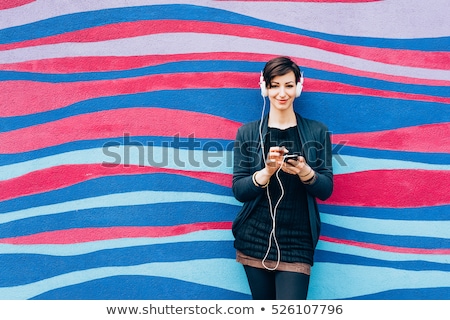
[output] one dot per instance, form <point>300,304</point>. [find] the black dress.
<point>292,225</point>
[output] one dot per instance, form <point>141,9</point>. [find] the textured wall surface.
<point>117,120</point>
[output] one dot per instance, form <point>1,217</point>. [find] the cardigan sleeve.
<point>322,188</point>
<point>245,162</point>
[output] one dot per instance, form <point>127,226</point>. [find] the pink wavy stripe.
<point>385,248</point>
<point>394,188</point>
<point>8,4</point>
<point>391,189</point>
<point>42,96</point>
<point>327,1</point>
<point>424,138</point>
<point>313,85</point>
<point>67,175</point>
<point>80,235</point>
<point>411,58</point>
<point>117,123</point>
<point>113,63</point>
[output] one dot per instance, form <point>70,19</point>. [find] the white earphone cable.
<point>272,210</point>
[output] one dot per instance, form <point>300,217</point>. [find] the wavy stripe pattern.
<point>117,123</point>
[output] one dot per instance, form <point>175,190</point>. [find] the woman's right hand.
<point>275,159</point>
<point>273,162</point>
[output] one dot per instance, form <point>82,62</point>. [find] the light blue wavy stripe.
<point>204,235</point>
<point>180,159</point>
<point>220,273</point>
<point>349,164</point>
<point>192,160</point>
<point>95,246</point>
<point>380,255</point>
<point>337,281</point>
<point>328,281</point>
<point>118,199</point>
<point>436,229</point>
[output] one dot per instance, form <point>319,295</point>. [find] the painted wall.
<point>116,129</point>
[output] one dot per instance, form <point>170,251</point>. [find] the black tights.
<point>277,285</point>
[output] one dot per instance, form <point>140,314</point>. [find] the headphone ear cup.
<point>298,90</point>
<point>262,85</point>
<point>263,88</point>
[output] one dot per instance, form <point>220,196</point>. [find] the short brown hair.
<point>280,66</point>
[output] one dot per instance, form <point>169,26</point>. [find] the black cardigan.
<point>248,158</point>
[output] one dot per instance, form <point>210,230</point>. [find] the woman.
<point>278,227</point>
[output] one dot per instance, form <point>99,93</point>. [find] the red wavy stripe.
<point>42,96</point>
<point>391,189</point>
<point>313,85</point>
<point>113,63</point>
<point>117,123</point>
<point>384,248</point>
<point>8,4</point>
<point>412,58</point>
<point>424,138</point>
<point>67,175</point>
<point>327,1</point>
<point>98,234</point>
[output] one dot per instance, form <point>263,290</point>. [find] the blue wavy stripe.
<point>81,248</point>
<point>360,106</point>
<point>219,66</point>
<point>210,272</point>
<point>422,228</point>
<point>333,257</point>
<point>409,294</point>
<point>136,215</point>
<point>436,213</point>
<point>348,164</point>
<point>368,280</point>
<point>165,68</point>
<point>352,250</point>
<point>412,242</point>
<point>118,200</point>
<point>241,107</point>
<point>84,20</point>
<point>141,288</point>
<point>422,157</point>
<point>185,99</point>
<point>114,184</point>
<point>21,268</point>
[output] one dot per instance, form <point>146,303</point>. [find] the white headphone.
<point>264,93</point>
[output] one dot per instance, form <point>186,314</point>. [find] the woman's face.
<point>281,91</point>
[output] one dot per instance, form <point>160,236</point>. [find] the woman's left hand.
<point>297,167</point>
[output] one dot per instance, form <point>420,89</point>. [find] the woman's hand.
<point>273,162</point>
<point>298,167</point>
<point>275,159</point>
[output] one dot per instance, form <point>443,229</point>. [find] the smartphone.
<point>294,156</point>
